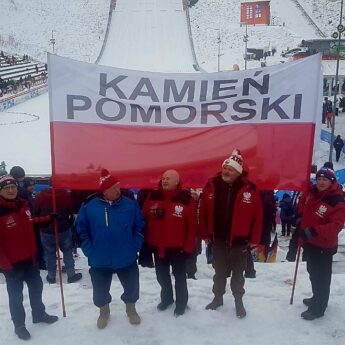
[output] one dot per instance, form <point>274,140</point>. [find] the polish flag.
<point>138,124</point>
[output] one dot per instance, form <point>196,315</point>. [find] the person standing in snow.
<point>110,228</point>
<point>338,145</point>
<point>64,207</point>
<point>286,214</point>
<point>231,218</point>
<point>18,257</point>
<point>322,210</point>
<point>171,218</point>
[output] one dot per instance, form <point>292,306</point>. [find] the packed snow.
<point>79,27</point>
<point>270,317</point>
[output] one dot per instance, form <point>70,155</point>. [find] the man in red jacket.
<point>17,257</point>
<point>170,213</point>
<point>323,215</point>
<point>230,218</point>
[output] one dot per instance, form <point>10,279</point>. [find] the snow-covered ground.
<point>149,35</point>
<point>79,27</point>
<point>207,17</point>
<point>325,13</point>
<point>270,317</point>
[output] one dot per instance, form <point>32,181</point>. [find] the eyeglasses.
<point>10,187</point>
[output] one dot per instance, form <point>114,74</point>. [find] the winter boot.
<point>240,311</point>
<point>217,302</point>
<point>179,311</point>
<point>132,314</point>
<point>164,305</point>
<point>45,318</point>
<point>104,314</point>
<point>51,280</point>
<point>22,333</point>
<point>310,315</point>
<point>74,278</point>
<point>308,301</point>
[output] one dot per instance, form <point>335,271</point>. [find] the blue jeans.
<point>49,246</point>
<point>15,282</point>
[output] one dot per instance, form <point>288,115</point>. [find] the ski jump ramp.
<point>149,35</point>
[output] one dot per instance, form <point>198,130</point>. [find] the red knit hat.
<point>106,180</point>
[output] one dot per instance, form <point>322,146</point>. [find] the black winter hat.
<point>17,172</point>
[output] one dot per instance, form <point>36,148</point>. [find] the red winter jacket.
<point>325,213</point>
<point>171,221</point>
<point>247,214</point>
<point>17,237</point>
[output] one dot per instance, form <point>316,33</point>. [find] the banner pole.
<point>56,231</point>
<point>295,275</point>
<point>53,188</point>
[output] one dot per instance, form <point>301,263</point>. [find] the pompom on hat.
<point>235,161</point>
<point>327,173</point>
<point>106,180</point>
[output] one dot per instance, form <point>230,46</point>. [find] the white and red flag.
<point>138,124</point>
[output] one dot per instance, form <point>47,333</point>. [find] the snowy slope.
<point>209,16</point>
<point>149,35</point>
<point>270,319</point>
<point>26,27</point>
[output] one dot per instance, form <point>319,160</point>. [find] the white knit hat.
<point>235,161</point>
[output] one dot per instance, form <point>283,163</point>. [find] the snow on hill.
<point>79,27</point>
<point>326,13</point>
<point>288,28</point>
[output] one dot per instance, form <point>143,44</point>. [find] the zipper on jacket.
<point>106,217</point>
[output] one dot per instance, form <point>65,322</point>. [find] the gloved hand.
<point>53,216</point>
<point>307,234</point>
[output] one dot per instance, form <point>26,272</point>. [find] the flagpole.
<point>56,232</point>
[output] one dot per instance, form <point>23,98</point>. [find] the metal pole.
<point>245,47</point>
<point>336,85</point>
<point>219,50</point>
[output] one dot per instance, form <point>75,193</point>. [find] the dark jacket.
<point>286,210</point>
<point>338,144</point>
<point>43,206</point>
<point>245,215</point>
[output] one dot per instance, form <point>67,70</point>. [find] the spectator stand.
<point>21,78</point>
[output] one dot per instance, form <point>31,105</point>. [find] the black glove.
<point>53,216</point>
<point>307,234</point>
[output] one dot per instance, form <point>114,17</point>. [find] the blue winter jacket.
<point>110,233</point>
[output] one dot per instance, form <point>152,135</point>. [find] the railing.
<point>191,42</point>
<point>310,20</point>
<point>111,9</point>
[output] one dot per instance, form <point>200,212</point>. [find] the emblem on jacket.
<point>321,211</point>
<point>178,211</point>
<point>247,197</point>
<point>10,223</point>
<point>28,213</point>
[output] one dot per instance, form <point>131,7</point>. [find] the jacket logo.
<point>247,197</point>
<point>321,211</point>
<point>10,222</point>
<point>28,213</point>
<point>178,211</point>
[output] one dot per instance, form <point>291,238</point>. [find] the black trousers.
<point>319,267</point>
<point>337,155</point>
<point>15,283</point>
<point>286,228</point>
<point>178,265</point>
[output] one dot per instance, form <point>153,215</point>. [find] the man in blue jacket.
<point>110,228</point>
